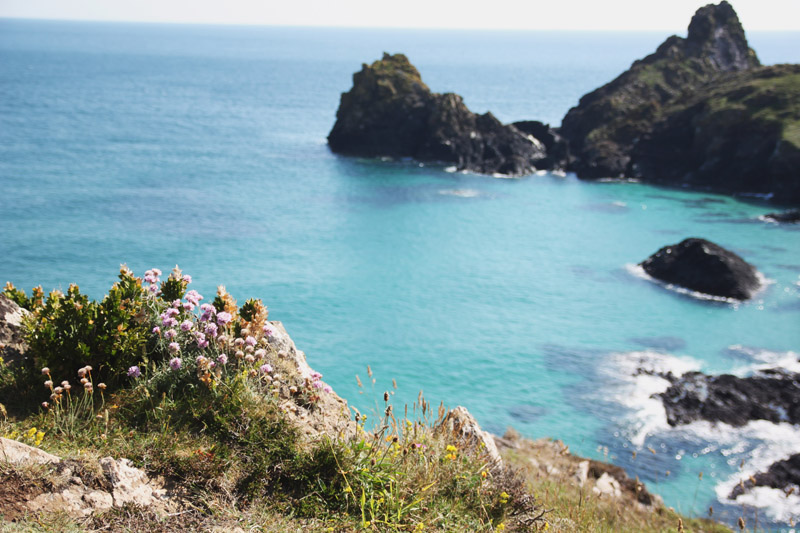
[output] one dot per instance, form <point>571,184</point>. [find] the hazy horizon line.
<point>364,27</point>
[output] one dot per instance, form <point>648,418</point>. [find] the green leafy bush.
<point>68,331</point>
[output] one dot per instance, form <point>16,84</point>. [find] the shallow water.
<point>205,146</point>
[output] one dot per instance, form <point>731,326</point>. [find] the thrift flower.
<point>193,297</point>
<point>157,330</point>
<point>172,311</point>
<point>327,388</point>
<point>266,368</point>
<point>170,334</point>
<point>188,306</point>
<point>175,363</point>
<point>249,358</point>
<point>45,371</point>
<point>174,347</point>
<point>250,341</point>
<point>222,359</point>
<point>187,278</point>
<point>211,330</point>
<point>153,288</point>
<point>260,354</point>
<point>48,384</point>
<point>223,318</point>
<point>134,372</point>
<point>238,342</point>
<point>267,331</point>
<point>317,384</point>
<point>186,325</point>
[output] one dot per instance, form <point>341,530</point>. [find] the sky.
<point>645,15</point>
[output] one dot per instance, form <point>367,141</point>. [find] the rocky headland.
<point>390,112</point>
<point>700,112</point>
<point>705,267</point>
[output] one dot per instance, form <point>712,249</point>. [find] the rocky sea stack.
<point>700,112</point>
<point>705,267</point>
<point>391,112</point>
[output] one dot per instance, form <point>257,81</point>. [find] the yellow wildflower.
<point>451,448</point>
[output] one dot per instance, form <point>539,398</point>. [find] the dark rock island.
<point>700,112</point>
<point>772,395</point>
<point>391,112</point>
<point>781,475</point>
<point>703,266</point>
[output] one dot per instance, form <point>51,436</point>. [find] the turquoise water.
<point>204,146</point>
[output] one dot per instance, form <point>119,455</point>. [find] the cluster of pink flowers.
<point>152,277</point>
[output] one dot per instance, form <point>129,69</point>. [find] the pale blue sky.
<point>662,15</point>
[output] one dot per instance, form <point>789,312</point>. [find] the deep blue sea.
<point>205,146</point>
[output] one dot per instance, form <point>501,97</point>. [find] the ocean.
<point>204,146</point>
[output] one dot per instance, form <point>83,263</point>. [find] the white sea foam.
<point>764,360</point>
<point>463,193</point>
<point>776,442</point>
<point>759,443</point>
<point>638,380</point>
<point>639,272</point>
<point>451,170</point>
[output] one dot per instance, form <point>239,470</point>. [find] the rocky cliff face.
<point>609,121</point>
<point>391,112</point>
<point>739,134</point>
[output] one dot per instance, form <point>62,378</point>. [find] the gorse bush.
<point>69,331</point>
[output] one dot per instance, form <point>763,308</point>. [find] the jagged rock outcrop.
<point>772,395</point>
<point>81,488</point>
<point>556,147</point>
<point>782,475</point>
<point>462,426</point>
<point>552,459</point>
<point>608,122</point>
<point>705,267</point>
<point>390,112</point>
<point>330,414</point>
<point>12,342</point>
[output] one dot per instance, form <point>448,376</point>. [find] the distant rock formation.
<point>391,112</point>
<point>700,112</point>
<point>608,121</point>
<point>782,475</point>
<point>772,395</point>
<point>705,267</point>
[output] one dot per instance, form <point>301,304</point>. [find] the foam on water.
<point>638,376</point>
<point>764,360</point>
<point>758,444</point>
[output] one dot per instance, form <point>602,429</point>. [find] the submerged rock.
<point>603,128</point>
<point>390,112</point>
<point>772,395</point>
<point>705,267</point>
<point>783,475</point>
<point>790,216</point>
